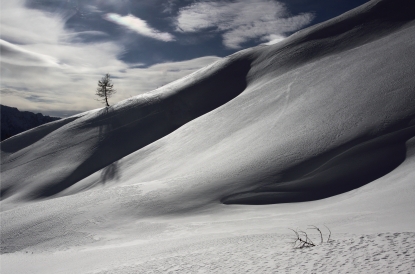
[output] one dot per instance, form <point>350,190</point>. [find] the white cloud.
<point>21,25</point>
<point>44,69</point>
<point>14,54</point>
<point>240,20</point>
<point>140,26</point>
<point>92,9</point>
<point>272,39</point>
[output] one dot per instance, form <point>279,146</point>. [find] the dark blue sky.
<point>143,44</point>
<point>89,15</point>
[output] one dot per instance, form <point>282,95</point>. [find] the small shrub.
<point>303,241</point>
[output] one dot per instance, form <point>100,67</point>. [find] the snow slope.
<point>233,150</point>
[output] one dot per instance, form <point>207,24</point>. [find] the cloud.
<point>37,98</point>
<point>35,27</point>
<point>140,26</point>
<point>92,9</point>
<point>272,39</point>
<point>14,54</point>
<point>139,80</point>
<point>7,91</point>
<point>169,6</point>
<point>240,20</point>
<point>51,72</point>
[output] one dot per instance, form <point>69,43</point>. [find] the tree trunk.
<point>106,98</point>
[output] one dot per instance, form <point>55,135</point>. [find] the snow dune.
<point>235,149</point>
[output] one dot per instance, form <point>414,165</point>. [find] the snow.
<point>260,253</point>
<point>140,187</point>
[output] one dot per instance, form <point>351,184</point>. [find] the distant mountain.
<point>14,121</point>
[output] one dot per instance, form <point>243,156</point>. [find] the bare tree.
<point>105,89</point>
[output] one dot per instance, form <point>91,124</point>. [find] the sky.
<point>53,52</point>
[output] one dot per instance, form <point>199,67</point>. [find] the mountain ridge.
<point>14,121</point>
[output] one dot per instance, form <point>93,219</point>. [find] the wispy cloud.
<point>169,6</point>
<point>240,20</point>
<point>138,25</point>
<point>14,54</point>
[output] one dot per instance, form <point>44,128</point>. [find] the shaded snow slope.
<point>327,110</point>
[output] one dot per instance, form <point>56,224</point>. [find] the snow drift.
<point>323,112</point>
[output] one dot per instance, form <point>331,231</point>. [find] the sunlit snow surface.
<point>227,153</point>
